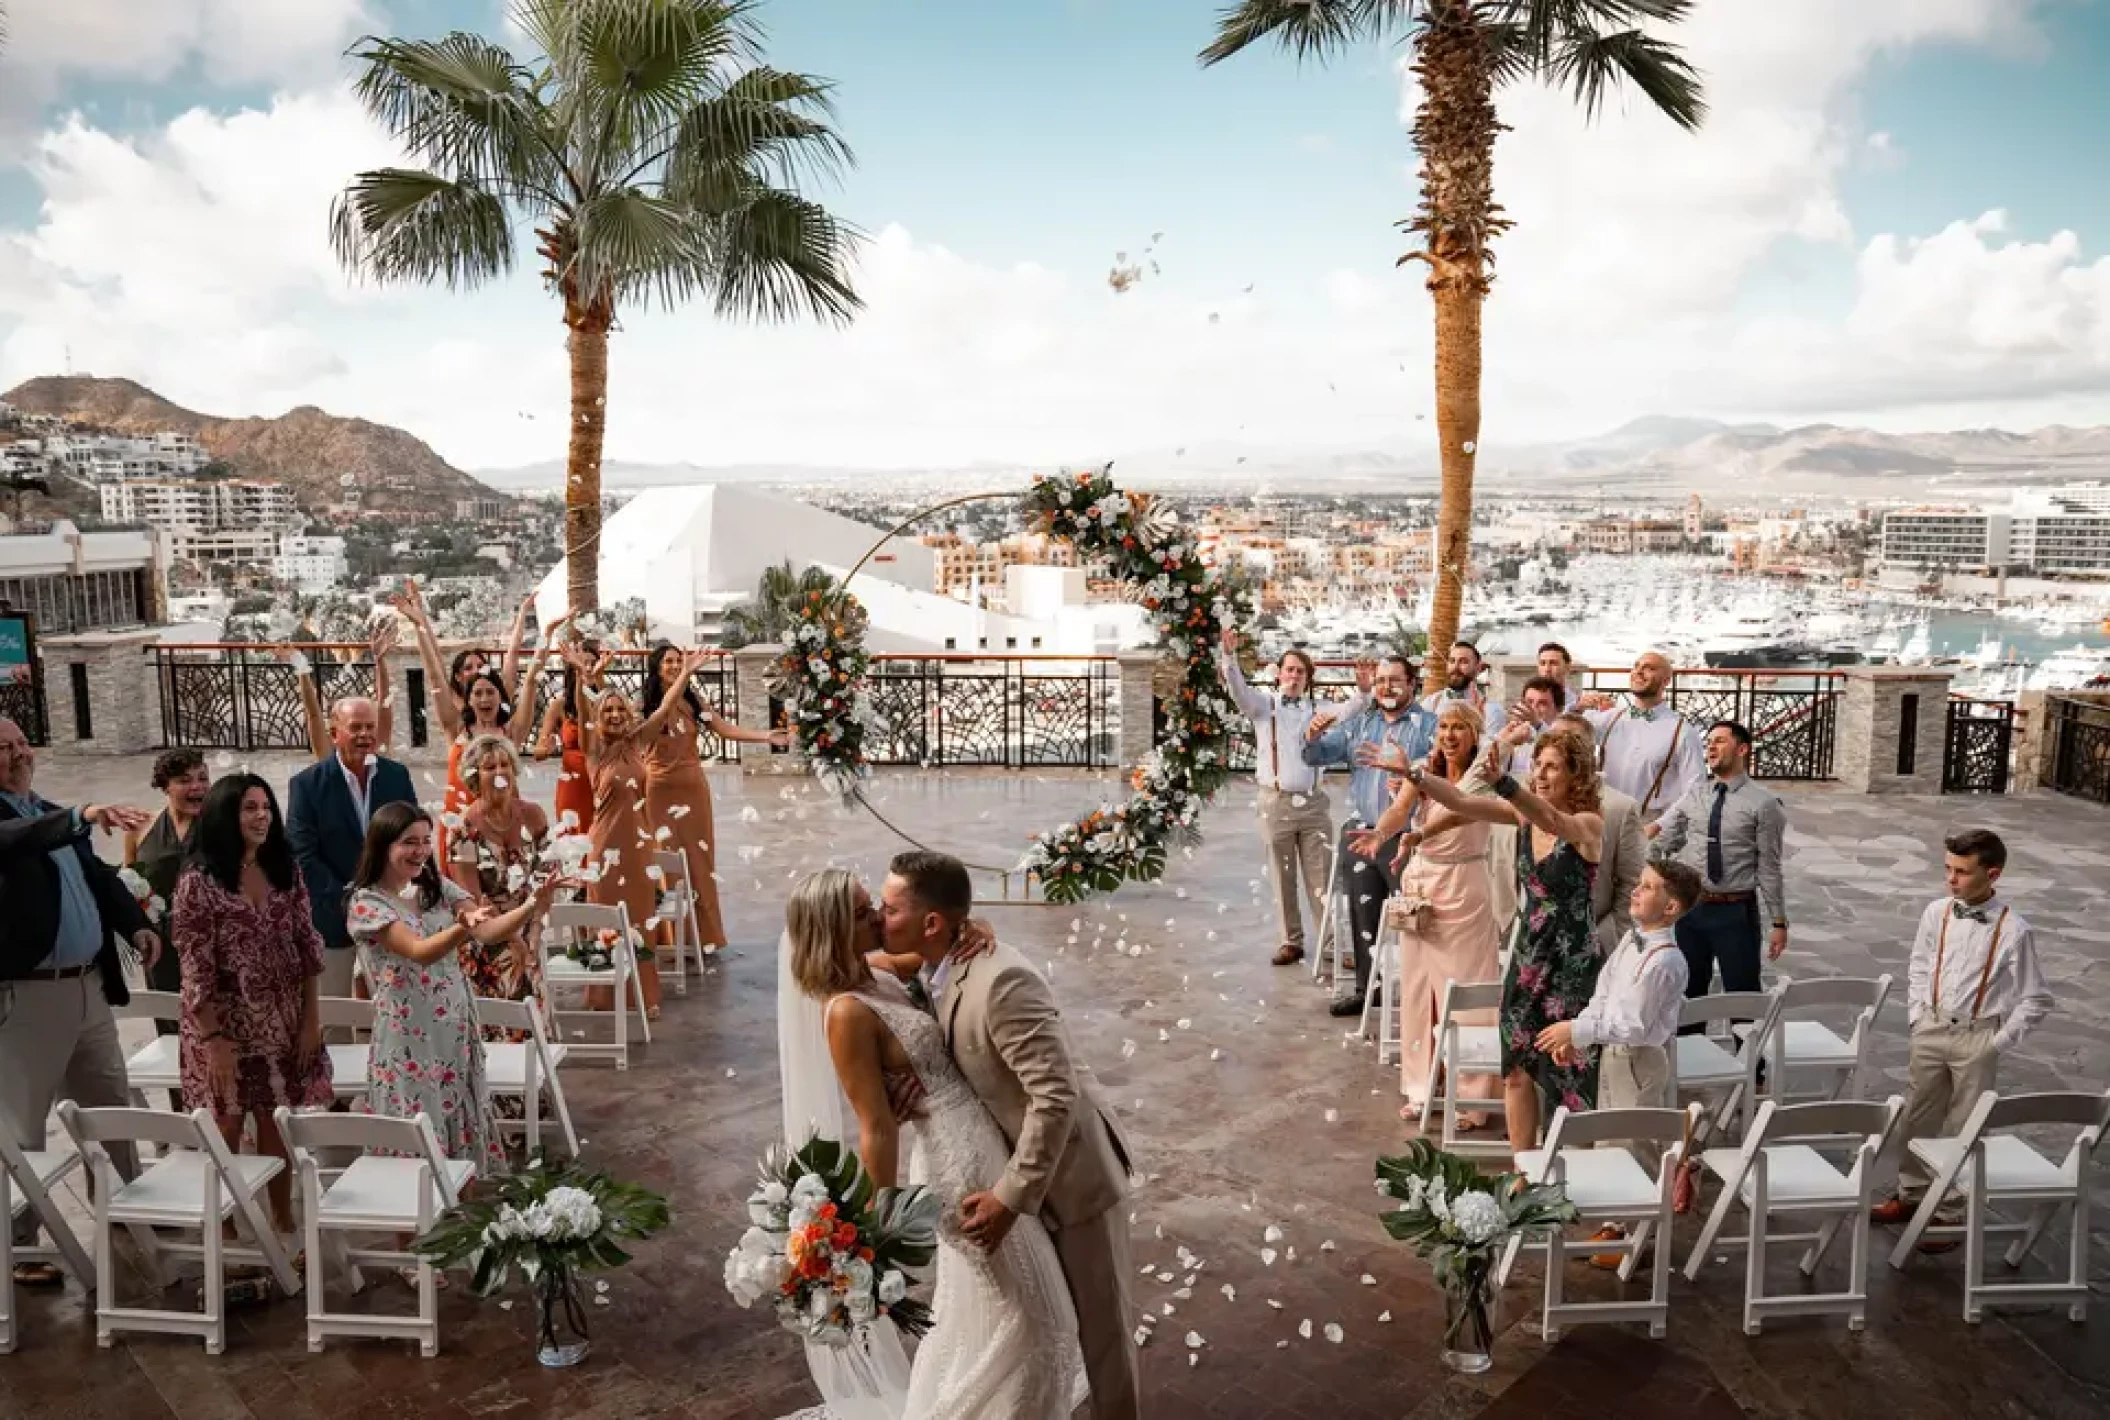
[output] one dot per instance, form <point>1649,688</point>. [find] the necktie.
<point>920,994</point>
<point>1965,912</point>
<point>1715,870</point>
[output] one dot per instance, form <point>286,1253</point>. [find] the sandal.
<point>42,1276</point>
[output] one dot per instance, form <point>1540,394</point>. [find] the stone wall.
<point>1873,712</point>
<point>124,702</point>
<point>2034,745</point>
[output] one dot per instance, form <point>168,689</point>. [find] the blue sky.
<point>1009,150</point>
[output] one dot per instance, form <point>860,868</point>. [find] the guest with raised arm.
<point>563,738</point>
<point>1296,821</point>
<point>380,644</point>
<point>157,854</point>
<point>1553,969</point>
<point>1536,707</point>
<point>1381,733</point>
<point>1649,751</point>
<point>625,834</point>
<point>1733,832</point>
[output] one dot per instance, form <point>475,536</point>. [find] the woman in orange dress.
<point>677,792</point>
<point>562,739</point>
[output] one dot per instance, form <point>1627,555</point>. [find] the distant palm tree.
<point>652,154</point>
<point>767,620</point>
<point>1463,50</point>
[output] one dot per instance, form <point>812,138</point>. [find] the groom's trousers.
<point>1097,1264</point>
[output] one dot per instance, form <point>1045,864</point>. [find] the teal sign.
<point>14,641</point>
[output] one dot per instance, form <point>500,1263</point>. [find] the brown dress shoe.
<point>1891,1212</point>
<point>1289,954</point>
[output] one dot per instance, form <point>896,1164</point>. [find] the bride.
<point>1004,1345</point>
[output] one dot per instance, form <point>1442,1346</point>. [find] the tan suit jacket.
<point>1068,1161</point>
<point>1619,865</point>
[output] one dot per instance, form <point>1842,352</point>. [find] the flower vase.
<point>560,1319</point>
<point>1469,1316</point>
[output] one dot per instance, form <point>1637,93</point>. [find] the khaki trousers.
<point>1634,1077</point>
<point>1299,833</point>
<point>58,1040</point>
<point>1948,1067</point>
<point>1096,1262</point>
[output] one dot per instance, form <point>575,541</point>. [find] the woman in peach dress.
<point>1443,862</point>
<point>623,833</point>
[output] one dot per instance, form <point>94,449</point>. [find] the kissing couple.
<point>952,1056</point>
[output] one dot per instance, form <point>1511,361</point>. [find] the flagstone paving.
<point>1249,1107</point>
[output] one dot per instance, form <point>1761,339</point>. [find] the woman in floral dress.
<point>409,925</point>
<point>1554,968</point>
<point>501,840</point>
<point>252,963</point>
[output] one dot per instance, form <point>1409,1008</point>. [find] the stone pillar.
<point>2032,758</point>
<point>1892,729</point>
<point>124,697</point>
<point>1505,679</point>
<point>752,669</point>
<point>1139,704</point>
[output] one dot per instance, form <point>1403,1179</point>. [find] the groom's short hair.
<point>938,881</point>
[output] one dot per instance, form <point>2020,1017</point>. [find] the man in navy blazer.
<point>329,806</point>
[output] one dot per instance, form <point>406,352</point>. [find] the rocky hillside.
<point>320,455</point>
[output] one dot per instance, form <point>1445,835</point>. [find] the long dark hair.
<point>656,691</point>
<point>505,700</point>
<point>391,822</point>
<point>216,846</point>
<point>455,674</point>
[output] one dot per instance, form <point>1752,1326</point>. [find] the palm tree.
<point>652,154</point>
<point>768,618</point>
<point>1463,50</point>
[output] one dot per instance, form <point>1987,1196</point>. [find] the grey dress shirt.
<point>1754,834</point>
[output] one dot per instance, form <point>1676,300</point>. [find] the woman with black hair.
<point>157,853</point>
<point>409,925</point>
<point>251,963</point>
<point>677,793</point>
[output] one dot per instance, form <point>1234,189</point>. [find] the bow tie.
<point>1292,700</point>
<point>1635,712</point>
<point>1962,911</point>
<point>920,994</point>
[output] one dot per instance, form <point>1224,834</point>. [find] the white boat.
<point>2077,667</point>
<point>1918,648</point>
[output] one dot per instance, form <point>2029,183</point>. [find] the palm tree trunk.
<point>588,347</point>
<point>1454,129</point>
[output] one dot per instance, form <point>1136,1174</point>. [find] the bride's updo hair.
<point>821,918</point>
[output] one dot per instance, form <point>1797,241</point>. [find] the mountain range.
<point>319,455</point>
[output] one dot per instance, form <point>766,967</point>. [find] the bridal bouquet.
<point>1462,1220</point>
<point>829,1249</point>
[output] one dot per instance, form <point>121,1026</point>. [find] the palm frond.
<point>768,125</point>
<point>630,70</point>
<point>396,224</point>
<point>1589,65</point>
<point>464,107</point>
<point>1309,29</point>
<point>779,256</point>
<point>636,245</point>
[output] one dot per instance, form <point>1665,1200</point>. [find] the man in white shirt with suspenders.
<point>1648,751</point>
<point>1976,990</point>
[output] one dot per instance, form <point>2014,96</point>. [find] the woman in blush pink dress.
<point>1443,862</point>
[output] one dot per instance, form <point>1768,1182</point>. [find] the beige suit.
<point>1068,1163</point>
<point>1619,865</point>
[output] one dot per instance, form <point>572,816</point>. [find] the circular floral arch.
<point>820,679</point>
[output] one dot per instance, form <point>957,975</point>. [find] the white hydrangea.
<point>892,1288</point>
<point>1477,1217</point>
<point>756,1268</point>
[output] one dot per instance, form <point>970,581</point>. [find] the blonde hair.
<point>1579,757</point>
<point>821,920</point>
<point>1468,715</point>
<point>472,761</point>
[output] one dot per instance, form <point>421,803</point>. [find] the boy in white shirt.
<point>1633,1013</point>
<point>1976,990</point>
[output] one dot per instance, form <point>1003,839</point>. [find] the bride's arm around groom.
<point>1068,1163</point>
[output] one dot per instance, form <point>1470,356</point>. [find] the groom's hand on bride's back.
<point>904,1093</point>
<point>985,1220</point>
<point>974,938</point>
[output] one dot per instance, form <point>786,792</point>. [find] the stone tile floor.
<point>1254,1112</point>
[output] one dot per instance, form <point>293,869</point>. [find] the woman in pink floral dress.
<point>251,962</point>
<point>410,924</point>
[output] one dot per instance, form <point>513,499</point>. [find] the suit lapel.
<point>949,1003</point>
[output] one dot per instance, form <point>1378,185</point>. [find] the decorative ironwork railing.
<point>1013,711</point>
<point>1980,743</point>
<point>23,703</point>
<point>246,698</point>
<point>2080,747</point>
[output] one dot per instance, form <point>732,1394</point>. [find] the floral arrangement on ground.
<point>821,675</point>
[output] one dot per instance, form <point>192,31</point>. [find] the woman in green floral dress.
<point>1554,967</point>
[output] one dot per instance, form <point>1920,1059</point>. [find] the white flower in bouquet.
<point>574,1212</point>
<point>862,1306</point>
<point>1478,1218</point>
<point>892,1288</point>
<point>1436,1200</point>
<point>756,1268</point>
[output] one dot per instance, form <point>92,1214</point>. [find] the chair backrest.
<point>1588,1127</point>
<point>673,868</point>
<point>1828,1120</point>
<point>1471,996</point>
<point>123,1125</point>
<point>151,1006</point>
<point>308,1133</point>
<point>345,1013</point>
<point>1818,992</point>
<point>1728,1006</point>
<point>495,1013</point>
<point>2075,1107</point>
<point>588,917</point>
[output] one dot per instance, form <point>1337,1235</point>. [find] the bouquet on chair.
<point>829,1249</point>
<point>549,1224</point>
<point>599,954</point>
<point>1462,1220</point>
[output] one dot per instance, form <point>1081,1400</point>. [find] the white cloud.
<point>195,260</point>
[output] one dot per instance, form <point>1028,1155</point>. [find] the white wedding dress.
<point>1004,1343</point>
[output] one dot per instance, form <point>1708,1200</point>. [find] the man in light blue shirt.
<point>1370,725</point>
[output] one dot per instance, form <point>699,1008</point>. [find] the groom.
<point>1068,1163</point>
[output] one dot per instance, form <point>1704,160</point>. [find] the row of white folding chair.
<point>1773,1028</point>
<point>27,1178</point>
<point>583,924</point>
<point>1463,1051</point>
<point>1381,996</point>
<point>1996,1168</point>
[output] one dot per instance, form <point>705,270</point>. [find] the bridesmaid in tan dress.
<point>622,834</point>
<point>677,792</point>
<point>1443,861</point>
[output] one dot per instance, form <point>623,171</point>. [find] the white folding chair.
<point>26,1180</point>
<point>1704,1064</point>
<point>677,908</point>
<point>1608,1185</point>
<point>403,1191</point>
<point>348,1060</point>
<point>1807,1059</point>
<point>1778,1169</point>
<point>1335,943</point>
<point>197,1185</point>
<point>1994,1169</point>
<point>583,923</point>
<point>157,1065</point>
<point>525,1070</point>
<point>1382,995</point>
<point>1464,1050</point>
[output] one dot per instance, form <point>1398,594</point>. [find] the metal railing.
<point>1014,711</point>
<point>2080,747</point>
<point>1979,746</point>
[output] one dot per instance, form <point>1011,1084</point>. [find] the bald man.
<point>329,805</point>
<point>1650,753</point>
